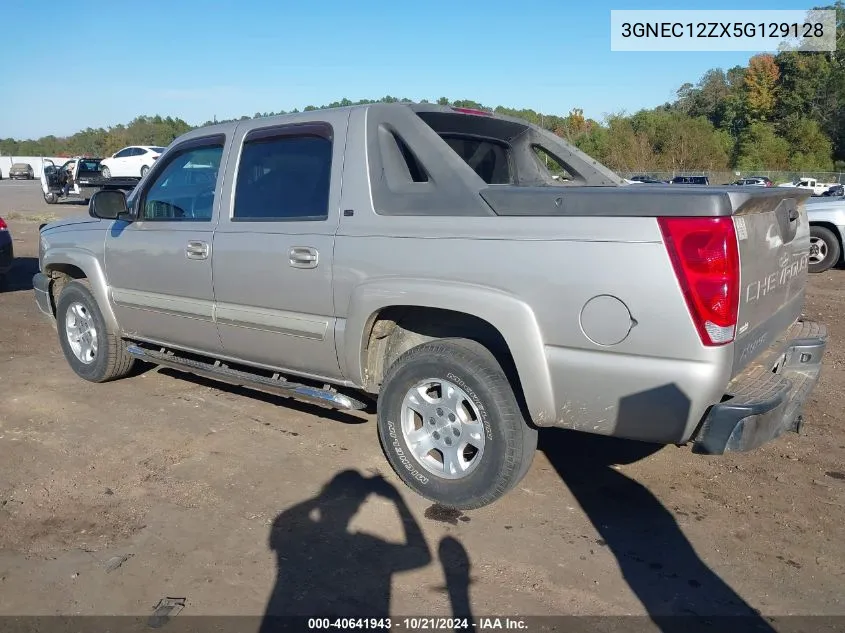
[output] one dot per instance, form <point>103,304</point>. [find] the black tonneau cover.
<point>637,200</point>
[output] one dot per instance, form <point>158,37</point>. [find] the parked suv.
<point>690,180</point>
<point>445,279</point>
<point>750,182</point>
<point>21,171</point>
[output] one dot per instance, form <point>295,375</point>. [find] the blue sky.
<point>200,59</point>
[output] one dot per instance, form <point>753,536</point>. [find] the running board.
<point>219,371</point>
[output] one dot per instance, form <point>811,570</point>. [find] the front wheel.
<point>824,249</point>
<point>93,352</point>
<point>106,172</point>
<point>450,424</point>
<point>51,198</point>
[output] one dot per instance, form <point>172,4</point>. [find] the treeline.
<point>143,130</point>
<point>780,112</point>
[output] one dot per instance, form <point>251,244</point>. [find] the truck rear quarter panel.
<point>589,307</point>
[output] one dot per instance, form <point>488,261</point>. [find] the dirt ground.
<point>114,496</point>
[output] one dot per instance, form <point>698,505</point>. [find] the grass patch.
<point>36,217</point>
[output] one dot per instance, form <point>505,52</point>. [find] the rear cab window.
<point>89,164</point>
<point>489,158</point>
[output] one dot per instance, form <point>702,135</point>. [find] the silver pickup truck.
<point>478,275</point>
<point>827,232</point>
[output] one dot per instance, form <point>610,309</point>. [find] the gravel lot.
<point>114,496</point>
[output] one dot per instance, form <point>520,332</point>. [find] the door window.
<point>285,177</point>
<point>184,189</point>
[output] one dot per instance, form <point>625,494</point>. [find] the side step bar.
<point>219,371</point>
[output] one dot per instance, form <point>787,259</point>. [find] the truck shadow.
<point>19,277</point>
<point>656,560</point>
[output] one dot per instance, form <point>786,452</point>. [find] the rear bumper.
<point>767,398</point>
<point>41,286</point>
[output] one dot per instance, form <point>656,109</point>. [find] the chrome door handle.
<point>196,250</point>
<point>304,257</point>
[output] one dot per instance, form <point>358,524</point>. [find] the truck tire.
<point>450,396</point>
<point>51,198</point>
<point>824,249</point>
<point>92,351</point>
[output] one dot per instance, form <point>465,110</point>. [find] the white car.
<point>133,161</point>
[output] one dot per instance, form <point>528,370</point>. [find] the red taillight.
<point>3,226</point>
<point>706,261</point>
<point>471,111</point>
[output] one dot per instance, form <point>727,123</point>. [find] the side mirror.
<point>108,204</point>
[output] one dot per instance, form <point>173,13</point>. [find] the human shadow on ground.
<point>325,570</point>
<point>456,569</point>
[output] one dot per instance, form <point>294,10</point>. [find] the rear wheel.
<point>144,170</point>
<point>824,249</point>
<point>450,424</point>
<point>93,352</point>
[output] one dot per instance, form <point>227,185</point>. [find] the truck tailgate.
<point>773,239</point>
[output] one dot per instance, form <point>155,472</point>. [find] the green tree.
<point>761,148</point>
<point>809,148</point>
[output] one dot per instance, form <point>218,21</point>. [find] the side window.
<point>553,164</point>
<point>122,153</point>
<point>136,151</point>
<point>184,189</point>
<point>285,177</point>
